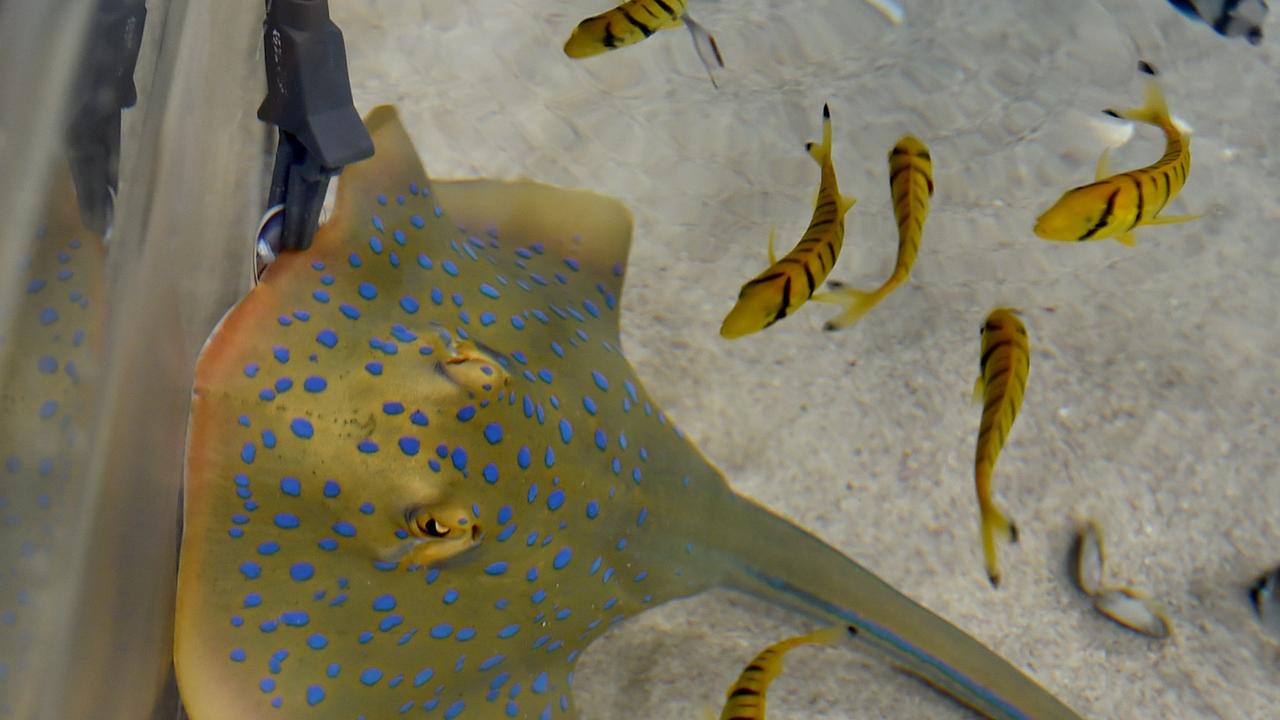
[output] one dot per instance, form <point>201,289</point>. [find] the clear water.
<point>1151,406</point>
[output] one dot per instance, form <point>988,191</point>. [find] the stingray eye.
<point>425,525</point>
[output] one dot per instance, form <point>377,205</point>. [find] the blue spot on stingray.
<point>423,677</point>
<point>354,260</point>
<point>450,596</point>
<point>251,570</point>
<point>366,508</point>
<point>248,453</point>
<point>523,458</point>
<point>493,433</point>
<point>47,365</point>
<point>555,499</point>
<point>290,486</point>
<point>390,623</point>
<point>492,662</point>
<point>315,695</point>
<point>466,413</point>
<point>549,458</point>
<point>284,385</point>
<point>267,685</point>
<point>252,600</point>
<point>251,370</point>
<point>487,318</point>
<point>562,558</point>
<point>450,268</point>
<point>368,447</point>
<point>593,509</point>
<point>287,520</point>
<point>497,568</point>
<point>332,488</point>
<point>267,395</point>
<point>409,445</point>
<point>489,291</point>
<point>295,618</point>
<point>466,634</point>
<point>302,572</point>
<point>315,384</point>
<point>454,710</point>
<point>539,684</point>
<point>459,458</point>
<point>517,322</point>
<point>370,676</point>
<point>344,528</point>
<point>563,613</point>
<point>602,440</point>
<point>238,655</point>
<point>302,428</point>
<point>545,375</point>
<point>349,311</point>
<point>327,338</point>
<point>48,409</point>
<point>642,516</point>
<point>418,418</point>
<point>269,548</point>
<point>591,308</point>
<point>441,631</point>
<point>48,316</point>
<point>333,670</point>
<point>566,431</point>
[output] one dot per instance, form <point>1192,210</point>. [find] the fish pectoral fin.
<point>1171,219</point>
<point>1101,171</point>
<point>846,202</point>
<point>773,257</point>
<point>978,388</point>
<point>1127,240</point>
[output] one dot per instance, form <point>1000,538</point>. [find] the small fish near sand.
<point>1124,606</point>
<point>1228,18</point>
<point>633,21</point>
<point>1002,378</point>
<point>790,282</point>
<point>1112,206</point>
<point>911,187</point>
<point>746,697</point>
<point>422,477</point>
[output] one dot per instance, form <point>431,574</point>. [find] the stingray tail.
<point>775,560</point>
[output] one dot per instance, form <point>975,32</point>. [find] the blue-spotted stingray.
<point>51,356</point>
<point>422,476</point>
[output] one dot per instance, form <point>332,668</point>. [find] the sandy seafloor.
<point>1152,401</point>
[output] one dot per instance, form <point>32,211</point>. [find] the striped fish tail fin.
<point>1154,110</point>
<point>821,152</point>
<point>856,304</point>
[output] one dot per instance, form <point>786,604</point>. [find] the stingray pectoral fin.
<point>592,229</point>
<point>784,564</point>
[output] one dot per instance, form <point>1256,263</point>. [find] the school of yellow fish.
<point>1111,206</point>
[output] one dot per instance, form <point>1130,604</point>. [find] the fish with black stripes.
<point>1112,206</point>
<point>635,20</point>
<point>746,697</point>
<point>1002,379</point>
<point>1228,18</point>
<point>911,186</point>
<point>790,282</point>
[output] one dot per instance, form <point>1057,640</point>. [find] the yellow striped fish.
<point>788,283</point>
<point>635,20</point>
<point>910,186</point>
<point>1002,378</point>
<point>746,698</point>
<point>1111,207</point>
